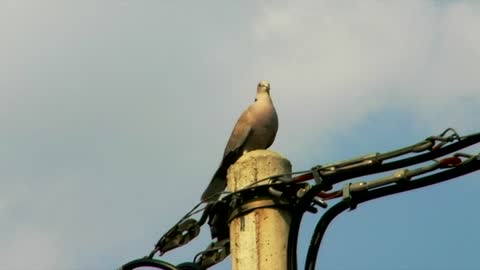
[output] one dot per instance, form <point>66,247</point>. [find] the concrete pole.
<point>258,240</point>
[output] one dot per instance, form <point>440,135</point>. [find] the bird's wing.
<point>240,133</point>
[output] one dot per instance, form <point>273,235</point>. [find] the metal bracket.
<point>273,195</point>
<point>179,235</point>
<point>215,253</point>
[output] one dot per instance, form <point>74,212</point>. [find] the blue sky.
<point>115,115</point>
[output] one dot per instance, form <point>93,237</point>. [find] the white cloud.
<point>28,248</point>
<point>347,59</point>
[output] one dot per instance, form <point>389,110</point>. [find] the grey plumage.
<point>255,129</point>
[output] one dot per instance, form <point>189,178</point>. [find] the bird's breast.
<point>264,128</point>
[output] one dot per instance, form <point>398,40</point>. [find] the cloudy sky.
<point>114,116</point>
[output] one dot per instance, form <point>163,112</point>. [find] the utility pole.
<point>259,239</point>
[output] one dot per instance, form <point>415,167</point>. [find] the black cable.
<point>462,143</point>
<point>319,232</point>
<point>292,243</point>
<point>297,214</point>
<point>147,262</point>
<point>340,176</point>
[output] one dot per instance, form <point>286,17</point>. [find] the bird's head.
<point>263,87</point>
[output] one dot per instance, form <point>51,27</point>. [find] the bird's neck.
<point>263,97</point>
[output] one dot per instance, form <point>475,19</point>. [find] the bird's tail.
<point>216,185</point>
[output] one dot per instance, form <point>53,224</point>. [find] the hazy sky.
<point>114,116</point>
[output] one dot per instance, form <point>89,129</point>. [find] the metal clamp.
<point>178,236</point>
<point>215,253</point>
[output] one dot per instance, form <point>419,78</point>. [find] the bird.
<point>255,129</point>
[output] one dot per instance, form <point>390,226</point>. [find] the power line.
<point>292,191</point>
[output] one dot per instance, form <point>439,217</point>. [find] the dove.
<point>255,129</point>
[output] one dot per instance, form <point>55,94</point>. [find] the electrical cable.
<point>337,176</point>
<point>293,239</point>
<point>147,262</point>
<point>467,167</point>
